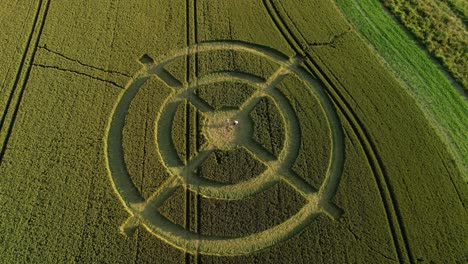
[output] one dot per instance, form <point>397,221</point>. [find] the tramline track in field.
<point>22,77</point>
<point>332,84</point>
<point>192,199</point>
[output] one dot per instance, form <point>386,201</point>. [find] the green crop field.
<point>195,131</point>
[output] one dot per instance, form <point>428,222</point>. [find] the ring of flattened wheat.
<point>144,212</point>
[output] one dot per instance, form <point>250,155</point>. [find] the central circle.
<point>223,130</point>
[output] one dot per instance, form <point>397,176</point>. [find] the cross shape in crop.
<point>145,211</point>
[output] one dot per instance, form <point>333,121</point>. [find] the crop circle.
<point>145,212</point>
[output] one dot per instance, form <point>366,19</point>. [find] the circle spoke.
<point>298,183</point>
<point>196,161</point>
<point>259,151</point>
<point>223,136</point>
<point>167,77</point>
<point>161,195</point>
<point>199,103</point>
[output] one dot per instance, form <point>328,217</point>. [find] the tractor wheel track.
<point>192,199</point>
<point>331,84</point>
<point>18,88</point>
<point>187,125</point>
<point>197,125</point>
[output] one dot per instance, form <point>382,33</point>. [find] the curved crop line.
<point>193,242</point>
<point>239,76</point>
<point>359,130</point>
<point>218,45</point>
<point>375,162</point>
<point>335,168</point>
<point>241,190</point>
<point>291,147</point>
<point>287,156</point>
<point>238,191</point>
<point>203,186</point>
<point>164,143</point>
<point>120,178</point>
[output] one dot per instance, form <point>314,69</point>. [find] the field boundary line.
<point>369,149</point>
<point>38,27</point>
<point>44,47</point>
<point>78,73</point>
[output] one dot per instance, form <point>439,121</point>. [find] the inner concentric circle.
<point>225,137</point>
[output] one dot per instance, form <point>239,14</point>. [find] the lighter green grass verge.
<point>440,28</point>
<point>433,91</point>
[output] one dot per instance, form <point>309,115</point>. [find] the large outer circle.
<point>174,234</point>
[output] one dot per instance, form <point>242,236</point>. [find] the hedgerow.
<point>442,32</point>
